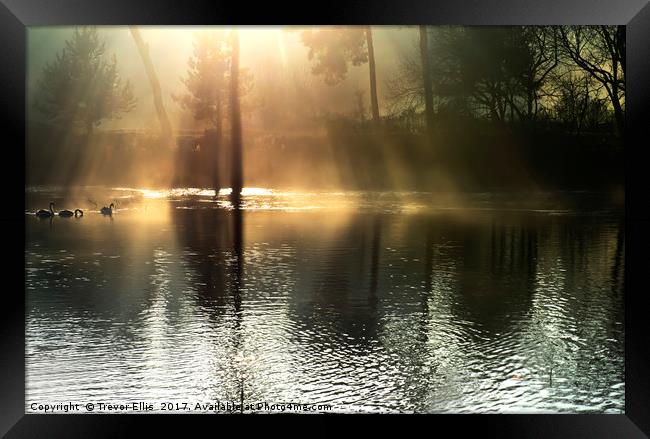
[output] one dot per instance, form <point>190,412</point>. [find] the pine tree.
<point>82,86</point>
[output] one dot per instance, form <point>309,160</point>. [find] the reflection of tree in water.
<point>374,263</point>
<point>496,273</point>
<point>400,310</point>
<point>416,341</point>
<point>238,361</point>
<point>598,301</point>
<point>576,333</point>
<point>553,281</point>
<point>456,323</point>
<point>203,237</point>
<point>338,291</point>
<point>476,276</point>
<point>212,242</point>
<point>334,310</point>
<point>425,374</point>
<point>238,266</point>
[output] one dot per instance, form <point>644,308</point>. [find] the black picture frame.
<point>16,15</point>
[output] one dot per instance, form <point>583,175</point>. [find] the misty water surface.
<point>370,302</point>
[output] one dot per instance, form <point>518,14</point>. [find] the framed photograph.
<point>423,208</point>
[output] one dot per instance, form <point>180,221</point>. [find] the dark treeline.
<point>469,108</point>
<point>550,98</point>
<point>572,75</point>
<point>474,154</point>
<point>518,107</point>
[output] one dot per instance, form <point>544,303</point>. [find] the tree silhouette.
<point>579,106</point>
<point>333,49</point>
<point>538,57</point>
<point>207,78</point>
<point>495,68</point>
<point>373,74</point>
<point>81,87</point>
<point>235,121</point>
<point>208,84</point>
<point>426,76</point>
<point>600,51</point>
<point>496,72</point>
<point>163,119</point>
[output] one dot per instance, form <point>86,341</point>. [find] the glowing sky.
<point>268,51</point>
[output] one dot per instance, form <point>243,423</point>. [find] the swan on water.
<point>107,210</point>
<point>68,213</point>
<point>46,213</point>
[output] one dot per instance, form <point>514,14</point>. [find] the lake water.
<point>368,302</point>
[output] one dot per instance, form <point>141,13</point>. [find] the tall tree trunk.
<point>216,184</point>
<point>373,75</point>
<point>426,78</point>
<point>143,48</point>
<point>530,102</point>
<point>620,41</point>
<point>621,48</point>
<point>235,118</point>
<point>618,113</point>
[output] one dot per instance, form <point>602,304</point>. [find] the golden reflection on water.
<point>371,302</point>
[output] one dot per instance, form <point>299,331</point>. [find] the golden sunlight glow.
<point>283,49</point>
<point>255,41</point>
<point>258,40</point>
<point>180,192</point>
<point>304,115</point>
<point>361,218</point>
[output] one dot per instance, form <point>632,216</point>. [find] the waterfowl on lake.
<point>46,213</point>
<point>107,210</point>
<point>68,213</point>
